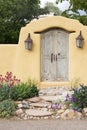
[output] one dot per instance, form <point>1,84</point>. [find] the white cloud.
<point>62,6</point>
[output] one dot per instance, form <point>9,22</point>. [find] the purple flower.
<point>51,106</point>
<point>60,107</point>
<point>73,99</point>
<point>67,97</point>
<point>75,109</point>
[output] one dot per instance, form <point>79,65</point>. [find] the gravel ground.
<point>43,125</point>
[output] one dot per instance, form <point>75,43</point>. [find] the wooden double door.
<point>55,55</point>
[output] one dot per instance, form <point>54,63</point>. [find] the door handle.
<point>58,54</point>
<point>56,57</point>
<point>51,57</point>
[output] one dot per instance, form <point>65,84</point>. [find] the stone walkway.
<point>49,105</point>
<point>37,114</point>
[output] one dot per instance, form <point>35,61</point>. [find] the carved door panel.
<point>62,55</point>
<point>54,55</point>
<point>47,64</point>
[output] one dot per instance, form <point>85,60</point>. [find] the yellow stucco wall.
<point>25,64</point>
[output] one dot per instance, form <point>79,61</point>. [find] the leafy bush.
<point>12,88</point>
<point>24,90</point>
<point>7,108</point>
<point>32,89</point>
<point>7,82</point>
<point>79,98</point>
<point>4,92</point>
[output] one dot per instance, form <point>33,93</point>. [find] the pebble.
<point>20,105</point>
<point>46,117</point>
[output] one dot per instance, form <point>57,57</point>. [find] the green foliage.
<point>12,88</point>
<point>79,98</point>
<point>52,8</point>
<point>75,83</point>
<point>4,92</point>
<point>24,90</point>
<point>33,90</point>
<point>7,108</point>
<point>19,92</point>
<point>7,82</point>
<point>76,4</point>
<point>74,8</point>
<point>14,14</point>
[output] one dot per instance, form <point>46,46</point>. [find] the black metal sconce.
<point>28,42</point>
<point>79,40</point>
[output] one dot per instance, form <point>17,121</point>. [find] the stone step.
<point>49,98</point>
<point>40,104</point>
<point>53,91</point>
<point>34,99</point>
<point>38,113</point>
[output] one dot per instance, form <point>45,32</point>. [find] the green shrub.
<point>4,92</point>
<point>7,108</point>
<point>32,89</point>
<point>12,88</point>
<point>7,82</point>
<point>24,90</point>
<point>79,98</point>
<point>19,92</point>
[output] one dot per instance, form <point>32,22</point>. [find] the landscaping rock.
<point>78,115</point>
<point>40,104</point>
<point>57,117</point>
<point>18,102</point>
<point>34,100</point>
<point>25,104</point>
<point>68,114</point>
<point>20,106</point>
<point>49,91</point>
<point>60,111</point>
<point>84,111</point>
<point>49,105</point>
<point>19,112</point>
<point>49,98</point>
<point>44,109</point>
<point>46,117</point>
<point>38,113</point>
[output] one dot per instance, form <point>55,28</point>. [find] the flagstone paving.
<point>49,105</point>
<point>39,113</point>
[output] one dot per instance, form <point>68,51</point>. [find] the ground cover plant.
<point>12,89</point>
<point>79,98</point>
<point>7,108</point>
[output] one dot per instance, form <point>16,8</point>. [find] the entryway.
<point>55,55</point>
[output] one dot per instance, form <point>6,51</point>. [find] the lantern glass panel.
<point>28,43</point>
<point>79,41</point>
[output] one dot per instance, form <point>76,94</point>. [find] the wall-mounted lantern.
<point>79,40</point>
<point>28,43</point>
